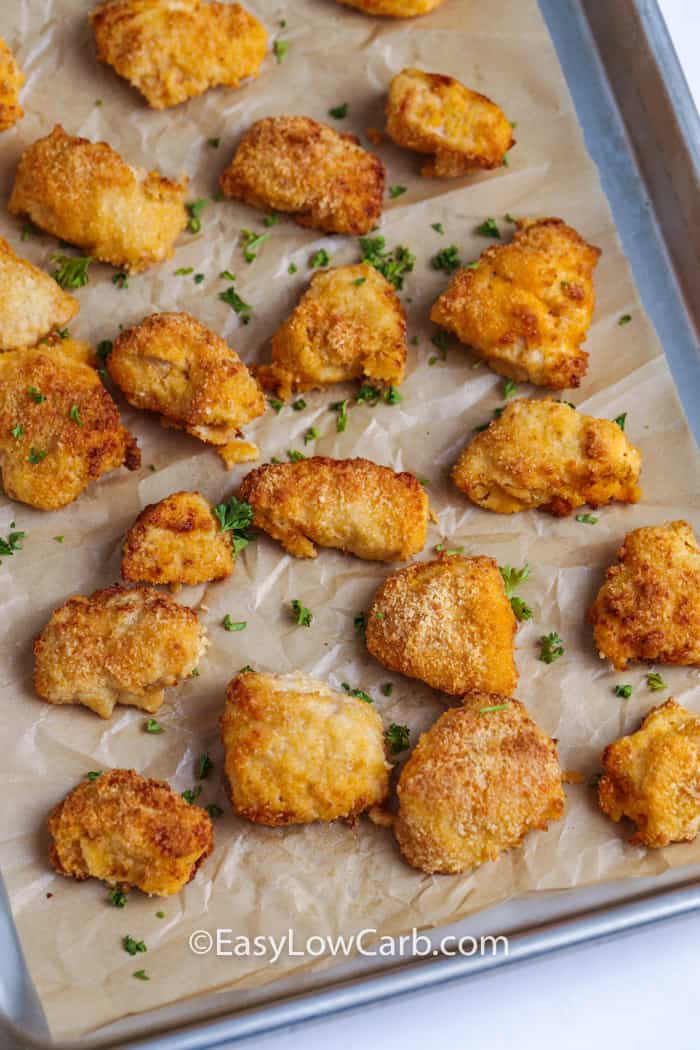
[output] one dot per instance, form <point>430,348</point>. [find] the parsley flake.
<point>141,975</point>
<point>302,616</point>
<point>233,299</point>
<point>251,241</point>
<point>396,191</point>
<point>71,270</point>
<point>621,420</point>
<point>153,726</point>
<point>280,48</point>
<point>386,689</point>
<point>391,263</point>
<point>132,946</point>
<point>194,210</point>
<point>339,111</point>
<point>510,389</point>
<point>397,737</point>
<point>360,623</point>
<point>492,707</point>
<point>625,691</point>
<point>204,766</point>
<point>294,456</point>
<point>214,143</point>
<point>117,899</point>
<point>17,432</point>
<point>120,279</point>
<point>625,319</point>
<point>359,693</point>
<point>214,811</point>
<point>551,647</point>
<point>36,395</point>
<point>192,794</point>
<point>341,407</point>
<point>233,625</point>
<point>74,415</point>
<point>11,544</point>
<point>489,228</point>
<point>587,519</point>
<point>36,455</point>
<point>655,682</point>
<point>94,774</point>
<point>311,435</point>
<point>438,227</point>
<point>275,404</point>
<point>319,259</point>
<point>447,260</point>
<point>235,517</point>
<point>299,405</point>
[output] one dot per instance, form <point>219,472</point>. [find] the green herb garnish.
<point>302,615</point>
<point>551,647</point>
<point>71,270</point>
<point>397,737</point>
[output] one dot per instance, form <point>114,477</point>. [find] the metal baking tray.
<point>643,132</point>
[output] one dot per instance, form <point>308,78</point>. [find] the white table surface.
<point>640,990</point>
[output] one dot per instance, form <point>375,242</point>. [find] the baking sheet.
<point>327,879</point>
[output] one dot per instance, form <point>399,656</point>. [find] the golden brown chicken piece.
<point>436,114</point>
<point>172,50</point>
<point>349,324</point>
<point>478,781</point>
<point>649,606</point>
<point>352,504</point>
<point>178,540</point>
<point>59,427</point>
<point>84,193</point>
<point>118,646</point>
<point>297,751</point>
<point>31,303</point>
<point>172,364</point>
<point>324,178</point>
<point>448,623</point>
<point>129,831</point>
<point>527,306</point>
<point>652,777</point>
<point>11,80</point>
<point>394,8</point>
<point>546,454</point>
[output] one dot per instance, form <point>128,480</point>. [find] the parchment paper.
<point>319,879</point>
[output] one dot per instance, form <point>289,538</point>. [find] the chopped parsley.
<point>198,278</point>
<point>493,707</point>
<point>339,111</point>
<point>625,319</point>
<point>71,270</point>
<point>451,551</point>
<point>233,299</point>
<point>437,226</point>
<point>153,726</point>
<point>655,682</point>
<point>94,774</point>
<point>506,162</point>
<point>233,625</point>
<point>510,389</point>
<point>341,407</point>
<point>447,260</point>
<point>59,539</point>
<point>36,455</point>
<point>292,268</point>
<point>587,519</point>
<point>359,693</point>
<point>625,691</point>
<point>226,275</point>
<point>280,48</point>
<point>397,737</point>
<point>214,143</point>
<point>62,333</point>
<point>192,794</point>
<point>439,341</point>
<point>28,230</point>
<point>132,946</point>
<point>294,456</point>
<point>396,191</point>
<point>392,264</point>
<point>17,432</point>
<point>497,413</point>
<point>299,405</point>
<point>275,404</point>
<point>204,766</point>
<point>489,228</point>
<point>551,647</point>
<point>319,258</point>
<point>358,281</point>
<point>512,578</point>
<point>11,544</point>
<point>104,349</point>
<point>117,899</point>
<point>194,210</point>
<point>251,241</point>
<point>311,435</point>
<point>386,689</point>
<point>360,623</point>
<point>270,220</point>
<point>302,616</point>
<point>214,811</point>
<point>235,517</point>
<point>36,395</point>
<point>509,218</point>
<point>621,420</point>
<point>141,975</point>
<point>74,415</point>
<point>120,279</point>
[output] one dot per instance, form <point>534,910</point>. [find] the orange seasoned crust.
<point>119,646</point>
<point>59,427</point>
<point>297,751</point>
<point>447,622</point>
<point>649,606</point>
<point>546,454</point>
<point>84,193</point>
<point>129,831</point>
<point>527,306</point>
<point>172,50</point>
<point>436,114</point>
<point>31,303</point>
<point>11,80</point>
<point>652,777</point>
<point>478,781</point>
<point>324,178</point>
<point>394,8</point>
<point>352,504</point>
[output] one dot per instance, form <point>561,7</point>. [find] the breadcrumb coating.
<point>31,303</point>
<point>11,80</point>
<point>527,306</point>
<point>394,8</point>
<point>649,605</point>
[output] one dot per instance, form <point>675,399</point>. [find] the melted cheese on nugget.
<point>11,80</point>
<point>31,303</point>
<point>394,8</point>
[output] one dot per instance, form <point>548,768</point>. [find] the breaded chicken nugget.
<point>84,193</point>
<point>432,113</point>
<point>31,303</point>
<point>294,164</point>
<point>478,781</point>
<point>172,364</point>
<point>447,622</point>
<point>129,831</point>
<point>118,646</point>
<point>653,777</point>
<point>297,751</point>
<point>352,504</point>
<point>350,323</point>
<point>59,427</point>
<point>11,80</point>
<point>394,8</point>
<point>526,307</point>
<point>546,454</point>
<point>172,50</point>
<point>649,606</point>
<point>178,540</point>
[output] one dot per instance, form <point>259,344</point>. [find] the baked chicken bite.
<point>172,364</point>
<point>118,646</point>
<point>31,303</point>
<point>352,504</point>
<point>297,751</point>
<point>294,164</point>
<point>349,324</point>
<point>481,778</point>
<point>128,830</point>
<point>394,8</point>
<point>527,306</point>
<point>84,193</point>
<point>652,777</point>
<point>178,540</point>
<point>59,427</point>
<point>545,454</point>
<point>436,114</point>
<point>172,50</point>
<point>11,80</point>
<point>447,622</point>
<point>649,606</point>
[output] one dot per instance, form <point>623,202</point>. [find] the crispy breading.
<point>297,751</point>
<point>394,8</point>
<point>172,364</point>
<point>172,50</point>
<point>652,777</point>
<point>477,782</point>
<point>324,178</point>
<point>349,323</point>
<point>649,606</point>
<point>527,306</point>
<point>11,80</point>
<point>546,454</point>
<point>59,427</point>
<point>84,193</point>
<point>447,622</point>
<point>436,114</point>
<point>352,504</point>
<point>119,646</point>
<point>129,831</point>
<point>178,540</point>
<point>31,303</point>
